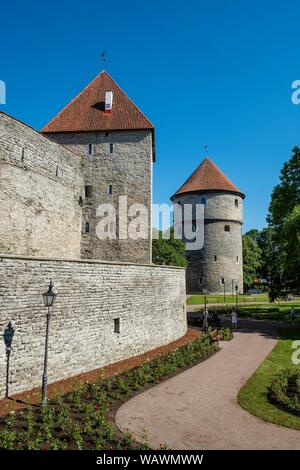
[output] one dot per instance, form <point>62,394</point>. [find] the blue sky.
<point>206,72</point>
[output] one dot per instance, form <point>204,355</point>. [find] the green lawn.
<point>274,312</point>
<point>215,299</point>
<point>253,395</point>
<point>277,312</point>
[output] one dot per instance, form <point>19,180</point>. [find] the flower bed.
<point>285,390</point>
<point>83,419</point>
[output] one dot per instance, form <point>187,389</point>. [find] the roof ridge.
<point>122,91</point>
<point>207,177</point>
<point>73,99</point>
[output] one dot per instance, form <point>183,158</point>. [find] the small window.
<point>90,150</point>
<point>87,227</point>
<point>106,134</point>
<point>80,201</point>
<point>215,258</point>
<point>57,170</point>
<point>237,259</point>
<point>110,189</point>
<point>188,258</point>
<point>200,280</point>
<point>88,191</point>
<point>203,200</point>
<point>222,280</point>
<point>236,203</point>
<point>116,325</point>
<point>227,228</point>
<point>111,149</point>
<point>23,155</point>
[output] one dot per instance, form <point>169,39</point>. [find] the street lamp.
<point>204,291</point>
<point>49,298</point>
<point>236,296</point>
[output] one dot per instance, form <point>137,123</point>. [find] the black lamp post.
<point>204,290</point>
<point>224,286</point>
<point>49,298</point>
<point>205,317</point>
<point>236,296</point>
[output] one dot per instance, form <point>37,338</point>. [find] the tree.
<point>169,251</point>
<point>252,258</point>
<point>284,221</point>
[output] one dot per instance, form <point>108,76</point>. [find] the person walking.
<point>293,315</point>
<point>205,320</point>
<point>234,319</point>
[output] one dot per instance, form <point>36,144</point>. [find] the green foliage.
<point>252,257</point>
<point>254,395</point>
<point>284,219</point>
<point>81,419</point>
<point>285,390</point>
<point>225,334</point>
<point>168,251</point>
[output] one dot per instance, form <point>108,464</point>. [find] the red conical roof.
<point>86,112</point>
<point>207,177</point>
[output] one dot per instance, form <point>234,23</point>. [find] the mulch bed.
<point>33,397</point>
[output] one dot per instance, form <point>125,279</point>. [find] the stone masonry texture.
<point>148,300</point>
<point>41,184</point>
<point>128,170</point>
<point>222,255</point>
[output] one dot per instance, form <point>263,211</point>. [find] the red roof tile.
<point>85,113</point>
<point>207,177</point>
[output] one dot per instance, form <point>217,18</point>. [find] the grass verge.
<point>253,396</point>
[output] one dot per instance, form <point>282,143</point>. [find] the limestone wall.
<point>148,300</point>
<point>219,264</point>
<point>40,186</point>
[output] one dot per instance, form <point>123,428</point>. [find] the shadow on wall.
<point>8,339</point>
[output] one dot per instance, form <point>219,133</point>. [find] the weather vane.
<point>206,149</point>
<point>103,57</point>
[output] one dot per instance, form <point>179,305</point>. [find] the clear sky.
<point>206,72</point>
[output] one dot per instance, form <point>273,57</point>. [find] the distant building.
<point>218,266</point>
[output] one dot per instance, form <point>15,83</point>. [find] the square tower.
<point>116,141</point>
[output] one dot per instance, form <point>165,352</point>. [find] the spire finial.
<point>206,150</point>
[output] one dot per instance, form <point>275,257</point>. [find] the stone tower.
<point>116,142</point>
<point>218,266</point>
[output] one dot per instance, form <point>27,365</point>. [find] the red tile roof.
<point>207,177</point>
<point>85,113</point>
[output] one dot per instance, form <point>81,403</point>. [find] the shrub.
<point>81,419</point>
<point>285,390</point>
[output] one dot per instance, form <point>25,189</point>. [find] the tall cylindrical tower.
<point>218,266</point>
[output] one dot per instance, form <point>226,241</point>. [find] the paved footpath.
<point>198,408</point>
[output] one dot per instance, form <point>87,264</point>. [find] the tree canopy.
<point>284,221</point>
<point>168,251</point>
<point>252,258</point>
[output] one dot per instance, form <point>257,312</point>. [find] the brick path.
<point>198,408</point>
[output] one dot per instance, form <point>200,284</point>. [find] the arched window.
<point>227,228</point>
<point>203,200</point>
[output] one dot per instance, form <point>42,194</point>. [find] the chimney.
<point>108,101</point>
